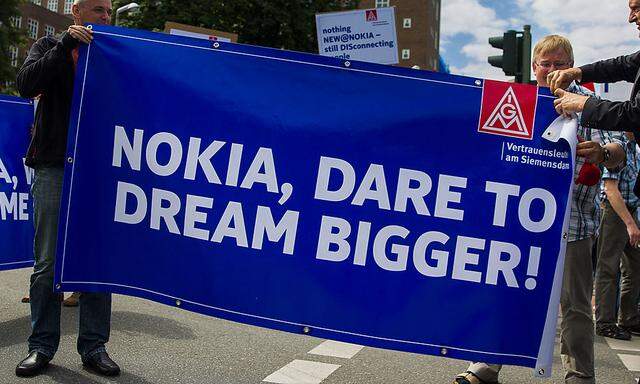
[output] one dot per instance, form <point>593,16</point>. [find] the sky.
<point>597,29</point>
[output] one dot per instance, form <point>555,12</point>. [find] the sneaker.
<point>614,332</point>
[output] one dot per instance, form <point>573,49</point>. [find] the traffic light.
<point>516,54</point>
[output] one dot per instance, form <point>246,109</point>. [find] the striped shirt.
<point>627,176</point>
<point>585,210</point>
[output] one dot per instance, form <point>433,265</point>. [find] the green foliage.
<point>9,36</point>
<point>288,24</point>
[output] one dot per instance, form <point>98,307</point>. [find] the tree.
<point>287,24</point>
<point>10,38</point>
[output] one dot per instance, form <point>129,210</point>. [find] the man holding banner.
<point>555,52</point>
<point>48,72</point>
<point>603,114</point>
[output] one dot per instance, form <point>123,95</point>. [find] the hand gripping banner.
<point>16,228</point>
<point>376,205</point>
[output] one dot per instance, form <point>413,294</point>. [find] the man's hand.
<point>81,33</point>
<point>561,79</point>
<point>591,151</point>
<point>634,234</point>
<point>568,103</point>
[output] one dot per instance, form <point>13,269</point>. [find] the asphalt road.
<point>154,343</point>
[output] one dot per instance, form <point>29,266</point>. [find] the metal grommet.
<point>541,371</point>
<point>69,159</point>
<point>347,64</point>
<point>89,26</point>
<point>478,82</point>
<point>444,351</point>
<point>306,330</point>
<point>564,235</point>
<point>58,286</point>
<point>216,45</point>
<point>178,303</point>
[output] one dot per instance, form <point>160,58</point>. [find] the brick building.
<point>418,28</point>
<point>40,18</point>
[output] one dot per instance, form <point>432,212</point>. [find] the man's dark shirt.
<point>613,115</point>
<point>48,72</point>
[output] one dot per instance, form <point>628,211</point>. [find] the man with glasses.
<point>597,147</point>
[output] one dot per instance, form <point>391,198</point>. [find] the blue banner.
<point>376,205</point>
<point>16,229</point>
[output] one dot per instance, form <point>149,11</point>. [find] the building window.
<point>49,30</point>
<point>406,23</point>
<point>16,21</point>
<point>52,5</point>
<point>382,3</point>
<point>68,4</point>
<point>32,28</point>
<point>37,2</point>
<point>406,54</point>
<point>13,52</point>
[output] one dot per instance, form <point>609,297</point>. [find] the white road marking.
<point>336,349</point>
<point>302,372</point>
<point>632,362</point>
<point>632,345</point>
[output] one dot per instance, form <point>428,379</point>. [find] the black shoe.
<point>101,364</point>
<point>34,364</point>
<point>633,329</point>
<point>614,332</point>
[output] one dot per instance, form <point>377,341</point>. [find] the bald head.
<point>91,11</point>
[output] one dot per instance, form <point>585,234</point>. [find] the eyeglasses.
<point>555,64</point>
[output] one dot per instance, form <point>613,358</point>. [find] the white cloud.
<point>597,29</point>
<point>563,16</point>
<point>469,17</point>
<point>477,22</point>
<point>481,70</point>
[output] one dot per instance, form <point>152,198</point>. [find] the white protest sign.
<point>365,35</point>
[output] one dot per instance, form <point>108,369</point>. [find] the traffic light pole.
<point>516,54</point>
<point>524,56</point>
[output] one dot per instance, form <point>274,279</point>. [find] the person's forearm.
<point>611,115</point>
<point>612,70</point>
<point>617,203</point>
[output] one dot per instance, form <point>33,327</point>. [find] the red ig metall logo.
<point>372,15</point>
<point>508,109</point>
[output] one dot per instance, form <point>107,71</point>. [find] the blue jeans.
<point>95,308</point>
